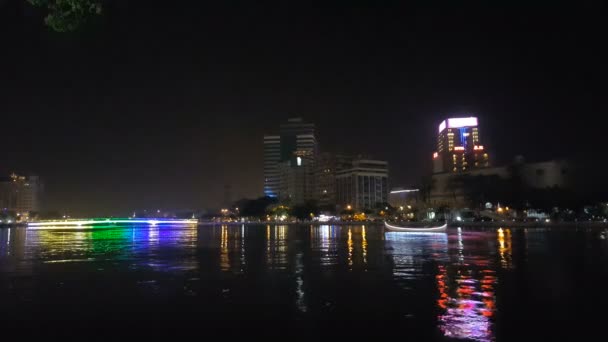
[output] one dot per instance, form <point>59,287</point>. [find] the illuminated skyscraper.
<point>458,146</point>
<point>289,162</point>
<point>272,157</point>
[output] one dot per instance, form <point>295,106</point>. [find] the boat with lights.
<point>412,228</point>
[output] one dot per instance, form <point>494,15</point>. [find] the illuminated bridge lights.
<point>108,222</point>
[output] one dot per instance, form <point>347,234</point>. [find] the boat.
<point>412,229</point>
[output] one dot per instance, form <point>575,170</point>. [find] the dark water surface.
<point>301,281</point>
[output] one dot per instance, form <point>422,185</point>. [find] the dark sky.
<point>161,104</point>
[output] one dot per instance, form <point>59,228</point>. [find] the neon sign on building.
<point>458,123</point>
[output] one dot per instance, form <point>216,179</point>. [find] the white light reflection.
<point>300,282</point>
<point>323,243</point>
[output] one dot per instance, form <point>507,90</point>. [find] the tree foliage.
<point>68,15</point>
<point>302,212</point>
<point>255,207</point>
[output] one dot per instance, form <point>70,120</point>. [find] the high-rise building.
<point>458,146</point>
<point>328,165</point>
<point>296,135</point>
<point>289,162</point>
<point>363,185</point>
<point>20,194</point>
<point>296,179</point>
<point>272,157</point>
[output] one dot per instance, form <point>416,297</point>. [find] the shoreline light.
<point>108,221</point>
<point>401,191</point>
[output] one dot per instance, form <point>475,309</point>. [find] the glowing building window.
<point>299,161</point>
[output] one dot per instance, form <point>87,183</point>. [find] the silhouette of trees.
<point>302,212</point>
<point>255,207</point>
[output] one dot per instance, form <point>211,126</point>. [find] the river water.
<point>332,281</point>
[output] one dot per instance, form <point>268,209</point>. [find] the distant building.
<point>296,135</point>
<point>272,157</point>
<point>362,185</point>
<point>328,165</point>
<point>447,189</point>
<point>459,148</point>
<point>289,162</point>
<point>20,194</point>
<point>296,179</point>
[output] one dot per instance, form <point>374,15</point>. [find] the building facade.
<point>448,190</point>
<point>297,135</point>
<point>272,157</point>
<point>459,148</point>
<point>296,182</point>
<point>289,162</point>
<point>363,185</point>
<point>20,194</point>
<point>328,165</point>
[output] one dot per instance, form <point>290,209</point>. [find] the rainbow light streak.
<point>107,222</point>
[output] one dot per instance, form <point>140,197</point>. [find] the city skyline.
<point>126,114</point>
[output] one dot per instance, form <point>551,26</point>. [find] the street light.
<point>348,207</point>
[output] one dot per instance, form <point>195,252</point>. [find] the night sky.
<point>159,105</point>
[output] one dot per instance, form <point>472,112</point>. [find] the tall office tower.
<point>272,157</point>
<point>363,185</point>
<point>289,162</point>
<point>296,135</point>
<point>458,146</point>
<point>20,194</point>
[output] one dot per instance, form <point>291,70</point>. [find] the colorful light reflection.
<point>107,222</point>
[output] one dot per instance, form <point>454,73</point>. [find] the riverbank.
<point>511,224</point>
<point>487,224</point>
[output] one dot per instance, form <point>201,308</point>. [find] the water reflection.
<point>467,289</point>
<point>276,247</point>
<point>140,243</point>
<point>505,247</point>
<point>445,283</point>
<point>461,265</point>
<point>324,243</point>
